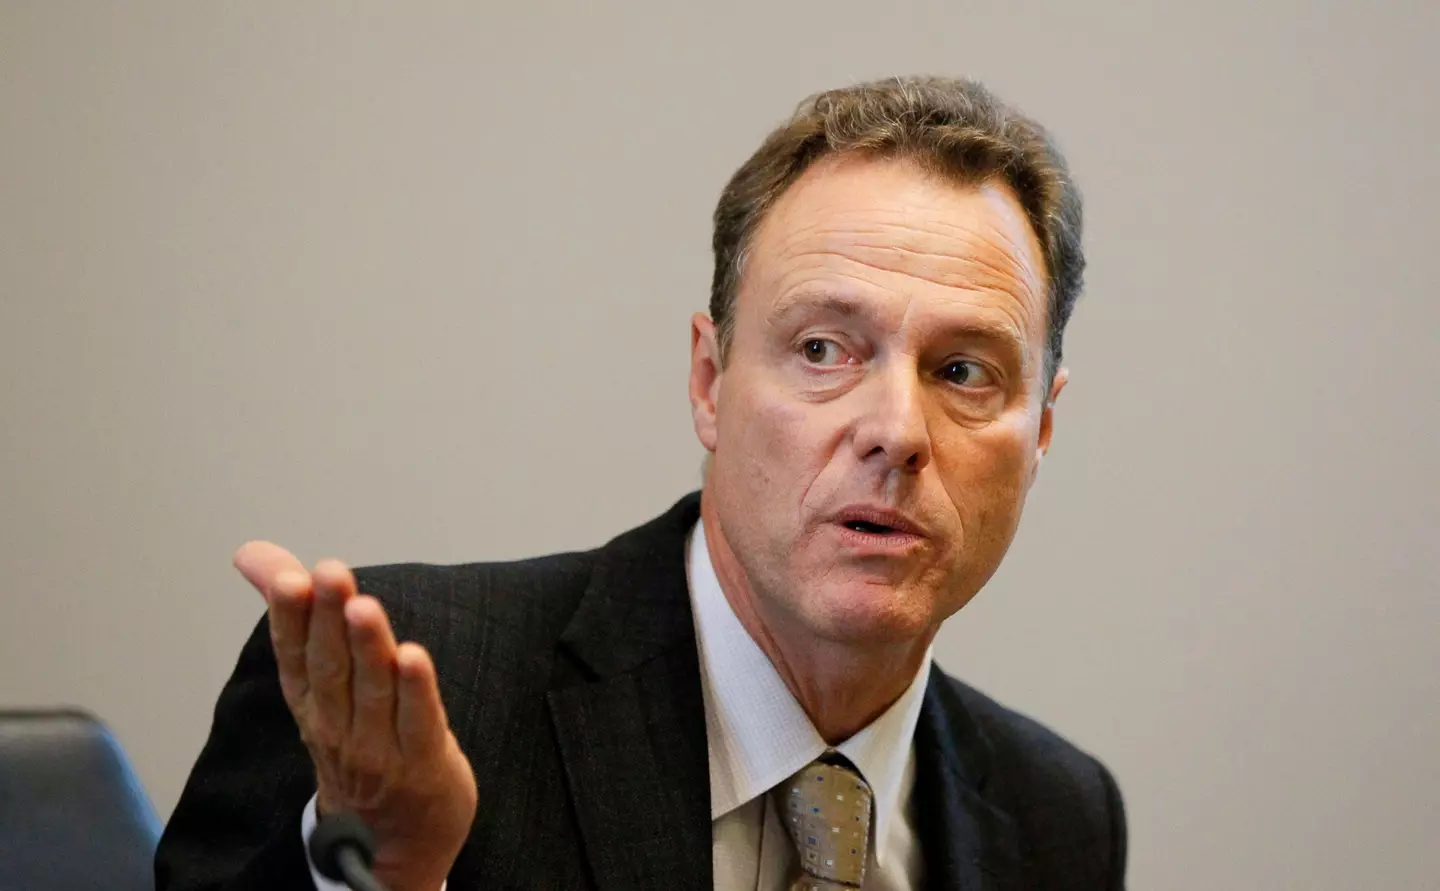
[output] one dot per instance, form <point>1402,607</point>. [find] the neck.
<point>843,686</point>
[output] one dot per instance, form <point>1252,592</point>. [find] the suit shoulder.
<point>1068,810</point>
<point>1029,757</point>
<point>537,593</point>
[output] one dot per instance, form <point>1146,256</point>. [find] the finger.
<point>282,580</point>
<point>419,715</point>
<point>372,676</point>
<point>261,562</point>
<point>327,651</point>
<point>289,612</point>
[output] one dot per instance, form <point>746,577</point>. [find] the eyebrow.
<point>828,303</point>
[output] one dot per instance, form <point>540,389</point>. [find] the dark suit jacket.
<point>573,684</point>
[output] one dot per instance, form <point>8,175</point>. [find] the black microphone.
<point>342,849</point>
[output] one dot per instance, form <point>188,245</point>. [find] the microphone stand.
<point>343,849</point>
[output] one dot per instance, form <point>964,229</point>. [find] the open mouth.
<point>872,528</point>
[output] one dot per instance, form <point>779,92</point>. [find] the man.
<point>875,386</point>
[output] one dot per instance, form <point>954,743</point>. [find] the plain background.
<point>413,282</point>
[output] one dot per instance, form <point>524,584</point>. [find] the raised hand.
<point>370,714</point>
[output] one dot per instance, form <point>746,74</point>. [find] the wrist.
<point>412,882</point>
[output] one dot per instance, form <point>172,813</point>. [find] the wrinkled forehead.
<point>888,230</point>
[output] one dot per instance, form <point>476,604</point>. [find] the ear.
<point>1047,418</point>
<point>705,374</point>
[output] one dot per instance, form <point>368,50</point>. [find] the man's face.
<point>882,411</point>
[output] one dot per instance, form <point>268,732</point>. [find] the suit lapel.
<point>638,778</point>
<point>968,843</point>
<point>631,730</point>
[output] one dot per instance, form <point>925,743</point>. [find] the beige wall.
<point>412,282</point>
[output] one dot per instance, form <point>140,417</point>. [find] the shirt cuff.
<point>307,827</point>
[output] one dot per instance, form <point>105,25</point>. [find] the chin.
<point>866,612</point>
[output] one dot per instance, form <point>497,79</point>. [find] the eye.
<point>966,373</point>
<point>820,351</point>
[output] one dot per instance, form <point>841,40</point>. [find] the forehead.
<point>893,234</point>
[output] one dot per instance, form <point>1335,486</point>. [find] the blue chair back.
<point>73,815</point>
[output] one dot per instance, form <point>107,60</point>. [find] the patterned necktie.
<point>826,809</point>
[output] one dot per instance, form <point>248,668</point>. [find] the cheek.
<point>775,438</point>
<point>985,473</point>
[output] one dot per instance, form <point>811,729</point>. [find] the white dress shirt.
<point>759,736</point>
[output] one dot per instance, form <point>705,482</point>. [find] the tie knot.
<point>826,808</point>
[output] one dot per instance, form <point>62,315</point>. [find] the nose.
<point>892,428</point>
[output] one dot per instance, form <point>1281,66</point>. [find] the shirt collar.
<point>757,733</point>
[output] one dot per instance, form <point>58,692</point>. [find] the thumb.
<point>262,563</point>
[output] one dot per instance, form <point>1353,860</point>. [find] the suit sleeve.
<point>237,825</point>
<point>1119,840</point>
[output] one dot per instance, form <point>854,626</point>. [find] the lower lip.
<point>879,543</point>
